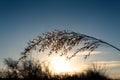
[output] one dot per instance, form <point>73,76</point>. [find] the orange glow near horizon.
<point>60,65</point>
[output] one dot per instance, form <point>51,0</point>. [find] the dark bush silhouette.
<point>33,70</point>
<point>28,69</point>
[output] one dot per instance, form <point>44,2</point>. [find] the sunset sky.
<point>23,20</point>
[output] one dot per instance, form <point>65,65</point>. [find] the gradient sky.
<point>23,20</point>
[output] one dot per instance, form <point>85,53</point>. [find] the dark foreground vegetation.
<point>90,75</point>
<point>31,70</point>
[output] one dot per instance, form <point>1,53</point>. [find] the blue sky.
<point>23,20</point>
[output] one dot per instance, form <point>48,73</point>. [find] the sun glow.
<point>60,65</point>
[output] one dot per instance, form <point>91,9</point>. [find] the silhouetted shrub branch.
<point>65,41</point>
